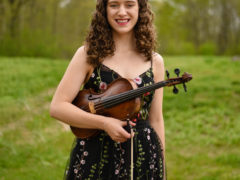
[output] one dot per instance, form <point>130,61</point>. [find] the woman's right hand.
<point>114,128</point>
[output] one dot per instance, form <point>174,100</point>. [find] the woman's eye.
<point>130,5</point>
<point>113,5</point>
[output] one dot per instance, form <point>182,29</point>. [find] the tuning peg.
<point>185,87</point>
<point>177,71</point>
<point>167,73</point>
<point>175,90</point>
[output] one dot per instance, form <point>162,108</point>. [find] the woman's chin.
<point>123,31</point>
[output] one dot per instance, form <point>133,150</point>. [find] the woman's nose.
<point>122,11</point>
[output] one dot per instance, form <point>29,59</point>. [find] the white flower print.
<point>75,171</point>
<point>116,171</point>
<point>103,86</point>
<point>151,166</point>
<point>85,153</point>
<point>148,137</point>
<point>82,143</point>
<point>138,80</point>
<point>82,161</point>
<point>93,75</point>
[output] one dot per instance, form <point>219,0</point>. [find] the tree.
<point>224,30</point>
<point>15,7</point>
<point>2,14</point>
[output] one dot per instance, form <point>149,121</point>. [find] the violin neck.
<point>125,96</point>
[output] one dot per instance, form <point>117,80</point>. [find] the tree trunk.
<point>2,17</point>
<point>15,7</point>
<point>223,36</point>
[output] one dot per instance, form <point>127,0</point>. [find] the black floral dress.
<point>101,158</point>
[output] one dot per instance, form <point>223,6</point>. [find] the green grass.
<point>202,126</point>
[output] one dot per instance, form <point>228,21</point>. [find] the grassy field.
<point>202,126</point>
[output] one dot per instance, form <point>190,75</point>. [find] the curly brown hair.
<point>100,43</point>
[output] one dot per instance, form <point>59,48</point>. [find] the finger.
<point>132,123</point>
<point>123,140</point>
<point>125,134</point>
<point>124,123</point>
<point>120,140</point>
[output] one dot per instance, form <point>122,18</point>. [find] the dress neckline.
<point>140,75</point>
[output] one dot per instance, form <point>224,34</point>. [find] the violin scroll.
<point>179,80</point>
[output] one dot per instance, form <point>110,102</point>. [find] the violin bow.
<point>131,153</point>
<point>186,77</point>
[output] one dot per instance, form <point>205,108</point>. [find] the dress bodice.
<point>102,76</point>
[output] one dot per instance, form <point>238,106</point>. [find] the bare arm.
<point>156,115</point>
<point>62,108</point>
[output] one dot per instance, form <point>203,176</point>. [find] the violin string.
<point>85,108</point>
<point>116,98</point>
<point>128,93</point>
<point>124,96</point>
<point>113,100</point>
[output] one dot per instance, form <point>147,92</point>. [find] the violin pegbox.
<point>177,71</point>
<point>167,73</point>
<point>179,80</point>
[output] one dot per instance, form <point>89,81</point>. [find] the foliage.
<point>202,126</point>
<point>210,26</point>
<point>55,28</point>
<point>43,28</point>
<point>207,48</point>
<point>31,44</point>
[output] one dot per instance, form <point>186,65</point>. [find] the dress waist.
<point>142,124</point>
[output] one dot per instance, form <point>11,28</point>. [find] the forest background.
<point>209,27</point>
<point>39,37</point>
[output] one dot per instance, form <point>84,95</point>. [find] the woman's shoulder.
<point>157,59</point>
<point>79,64</point>
<point>158,67</point>
<point>80,56</point>
<point>81,52</point>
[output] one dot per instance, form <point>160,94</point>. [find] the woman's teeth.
<point>122,21</point>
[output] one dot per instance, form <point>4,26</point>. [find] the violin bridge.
<point>91,107</point>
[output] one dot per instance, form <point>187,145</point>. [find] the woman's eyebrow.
<point>114,1</point>
<point>129,1</point>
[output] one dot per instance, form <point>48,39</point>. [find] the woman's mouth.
<point>122,22</point>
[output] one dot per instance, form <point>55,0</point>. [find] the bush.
<point>208,48</point>
<point>30,43</point>
<point>177,48</point>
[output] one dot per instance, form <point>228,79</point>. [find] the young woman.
<point>120,43</point>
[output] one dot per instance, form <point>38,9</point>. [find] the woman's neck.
<point>124,42</point>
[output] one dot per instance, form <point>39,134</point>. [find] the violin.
<point>120,100</point>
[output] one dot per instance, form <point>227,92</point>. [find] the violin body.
<point>87,100</point>
<point>120,100</point>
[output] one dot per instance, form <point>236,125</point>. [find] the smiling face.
<point>122,15</point>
